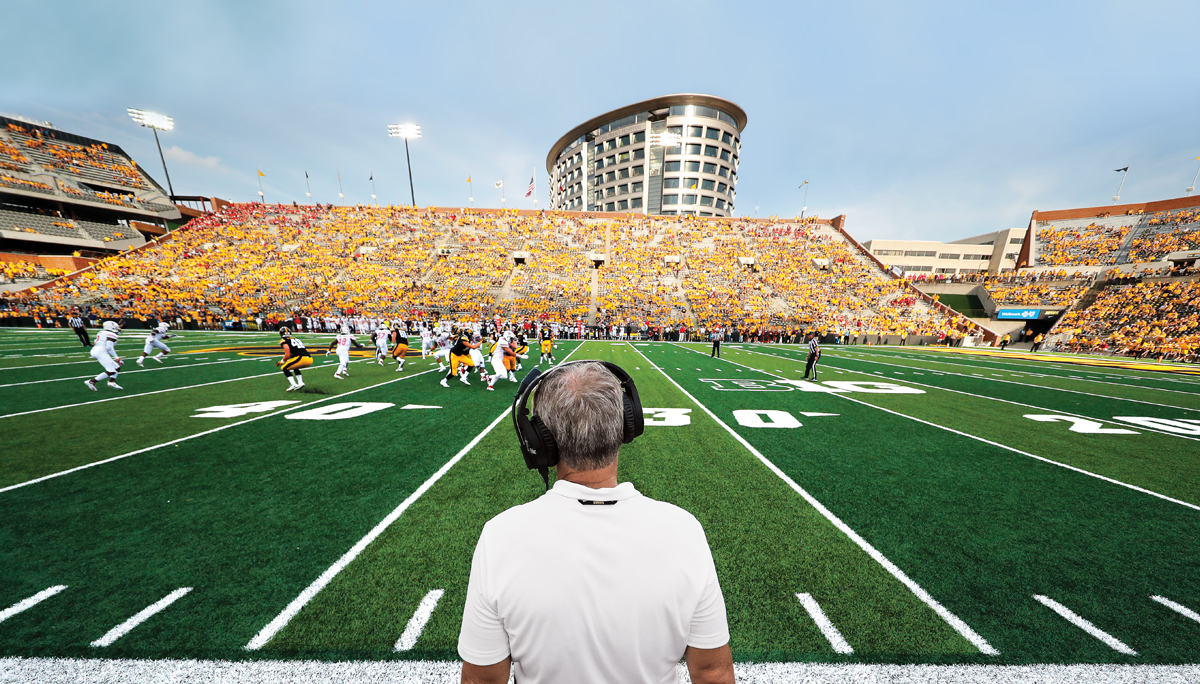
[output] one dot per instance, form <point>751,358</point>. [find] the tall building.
<point>667,156</point>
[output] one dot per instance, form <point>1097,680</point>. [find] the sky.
<point>917,120</point>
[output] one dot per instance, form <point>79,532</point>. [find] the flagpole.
<point>307,187</point>
<point>1117,196</point>
<point>502,200</point>
<point>341,191</point>
<point>262,198</point>
<point>373,189</point>
<point>1193,185</point>
<point>470,192</point>
<point>535,188</point>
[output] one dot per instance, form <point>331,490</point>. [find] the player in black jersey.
<point>460,357</point>
<point>295,357</point>
<point>399,344</point>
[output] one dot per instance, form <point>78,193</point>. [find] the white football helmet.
<point>163,327</point>
<point>112,326</point>
<point>345,330</point>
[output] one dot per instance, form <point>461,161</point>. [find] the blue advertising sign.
<point>1018,314</point>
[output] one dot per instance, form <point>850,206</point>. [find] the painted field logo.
<point>829,387</point>
<point>746,385</point>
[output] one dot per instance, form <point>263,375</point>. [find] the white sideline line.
<point>169,389</point>
<point>832,635</point>
<point>1072,617</point>
<point>201,434</point>
<point>953,620</point>
<point>285,616</point>
<point>416,624</point>
<point>1177,607</point>
<point>26,604</point>
<point>142,615</point>
<point>139,370</point>
<point>1004,446</point>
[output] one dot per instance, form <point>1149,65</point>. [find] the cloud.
<point>177,154</point>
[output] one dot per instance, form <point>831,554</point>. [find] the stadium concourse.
<point>769,279</point>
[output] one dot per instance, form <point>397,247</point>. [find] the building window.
<point>692,166</point>
<point>710,168</point>
<point>599,180</point>
<point>637,170</point>
<point>610,191</point>
<point>721,187</point>
<point>623,189</point>
<point>640,136</point>
<point>623,157</point>
<point>708,185</point>
<point>726,138</point>
<point>710,151</point>
<point>670,199</point>
<point>695,131</point>
<point>1016,241</point>
<point>706,213</point>
<point>635,203</point>
<point>670,166</point>
<point>724,171</point>
<point>599,163</point>
<point>690,183</point>
<point>689,199</point>
<point>610,160</point>
<point>706,201</point>
<point>713,134</point>
<point>889,252</point>
<point>610,176</point>
<point>919,253</point>
<point>637,187</point>
<point>724,155</point>
<point>693,148</point>
<point>944,270</point>
<point>669,213</point>
<point>623,141</point>
<point>677,130</point>
<point>622,205</point>
<point>677,149</point>
<point>639,153</point>
<point>599,149</point>
<point>623,173</point>
<point>977,257</point>
<point>670,182</point>
<point>610,145</point>
<point>948,256</point>
<point>1011,256</point>
<point>609,207</point>
<point>720,204</point>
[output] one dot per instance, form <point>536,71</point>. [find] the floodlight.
<point>405,131</point>
<point>154,120</point>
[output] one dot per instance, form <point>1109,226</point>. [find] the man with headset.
<point>592,581</point>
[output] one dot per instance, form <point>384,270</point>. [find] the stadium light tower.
<point>156,123</point>
<point>406,131</point>
<point>804,208</point>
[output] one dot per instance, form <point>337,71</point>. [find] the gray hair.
<point>582,405</point>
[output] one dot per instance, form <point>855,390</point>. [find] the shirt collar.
<point>572,490</point>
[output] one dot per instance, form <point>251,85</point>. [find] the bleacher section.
<point>1154,318</point>
<point>1143,234</point>
<point>395,261</point>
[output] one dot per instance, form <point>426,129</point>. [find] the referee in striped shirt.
<point>814,353</point>
<point>80,328</point>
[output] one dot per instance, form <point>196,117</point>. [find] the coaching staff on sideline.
<point>592,581</point>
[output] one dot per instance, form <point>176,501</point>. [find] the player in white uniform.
<point>341,344</point>
<point>105,352</point>
<point>442,355</point>
<point>426,342</point>
<point>155,340</point>
<point>477,359</point>
<point>381,343</point>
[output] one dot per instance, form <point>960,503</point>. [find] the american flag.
<point>529,190</point>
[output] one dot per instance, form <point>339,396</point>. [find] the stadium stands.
<point>1159,319</point>
<point>1141,234</point>
<point>769,276</point>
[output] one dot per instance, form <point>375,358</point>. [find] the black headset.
<point>537,442</point>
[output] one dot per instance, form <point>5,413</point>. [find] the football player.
<point>155,340</point>
<point>342,344</point>
<point>399,344</point>
<point>295,357</point>
<point>382,334</point>
<point>444,341</point>
<point>426,341</point>
<point>477,357</point>
<point>105,352</point>
<point>460,358</point>
<point>497,351</point>
<point>547,347</point>
<point>521,348</point>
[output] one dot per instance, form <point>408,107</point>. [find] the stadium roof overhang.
<point>650,105</point>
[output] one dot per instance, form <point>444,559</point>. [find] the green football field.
<point>913,507</point>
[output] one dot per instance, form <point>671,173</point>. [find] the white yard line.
<point>125,372</point>
<point>1177,607</point>
<point>1002,446</point>
<point>1075,619</point>
<point>141,616</point>
<point>26,604</point>
<point>292,609</point>
<point>169,389</point>
<point>984,396</point>
<point>832,635</point>
<point>206,432</point>
<point>953,620</point>
<point>416,624</point>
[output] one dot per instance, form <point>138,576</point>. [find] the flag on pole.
<point>372,176</point>
<point>468,179</point>
<point>1120,170</point>
<point>306,174</point>
<point>499,183</point>
<point>529,190</point>
<point>260,172</point>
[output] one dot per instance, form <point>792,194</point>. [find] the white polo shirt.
<point>587,592</point>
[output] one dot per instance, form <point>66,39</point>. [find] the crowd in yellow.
<point>1092,245</point>
<point>1166,232</point>
<point>1157,319</point>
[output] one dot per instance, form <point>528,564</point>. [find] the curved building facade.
<point>667,156</point>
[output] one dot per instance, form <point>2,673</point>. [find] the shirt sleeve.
<point>482,639</point>
<point>710,627</point>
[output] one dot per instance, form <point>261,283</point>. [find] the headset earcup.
<point>631,416</point>
<point>548,454</point>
